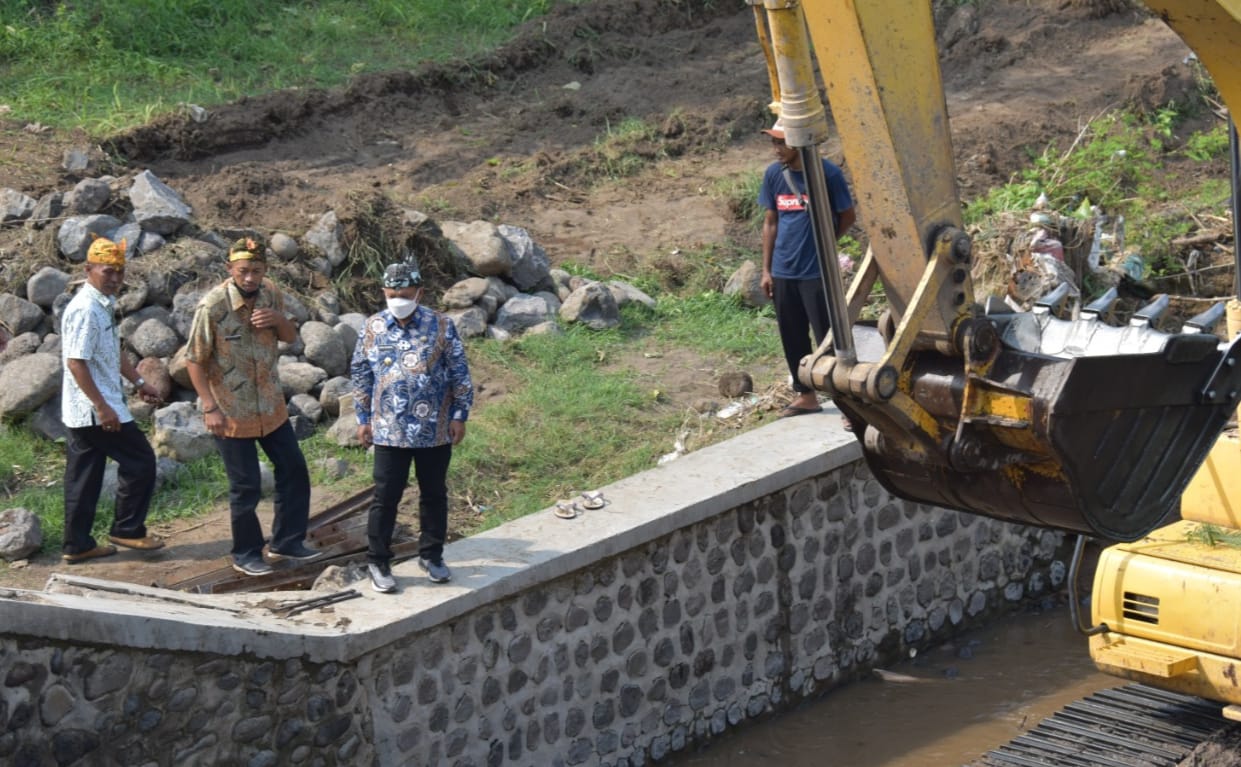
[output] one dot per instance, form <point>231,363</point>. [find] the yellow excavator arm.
<point>1070,424</point>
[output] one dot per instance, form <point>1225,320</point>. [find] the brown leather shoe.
<point>147,543</point>
<point>95,553</point>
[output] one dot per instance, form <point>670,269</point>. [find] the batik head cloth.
<point>246,249</point>
<point>106,252</point>
<point>402,275</point>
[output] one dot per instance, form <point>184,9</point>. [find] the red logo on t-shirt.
<point>790,202</point>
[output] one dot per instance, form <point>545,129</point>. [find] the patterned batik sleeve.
<point>78,335</point>
<point>200,344</point>
<point>363,376</point>
<point>462,387</point>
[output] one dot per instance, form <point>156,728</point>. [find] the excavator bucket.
<point>1074,425</point>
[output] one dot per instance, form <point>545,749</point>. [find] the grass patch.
<point>572,423</point>
<point>109,64</point>
<point>713,323</point>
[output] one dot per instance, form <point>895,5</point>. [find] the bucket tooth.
<point>1146,316</point>
<point>996,305</point>
<point>1101,307</point>
<point>1206,321</point>
<point>1053,302</point>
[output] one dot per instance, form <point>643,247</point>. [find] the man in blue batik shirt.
<point>412,396</point>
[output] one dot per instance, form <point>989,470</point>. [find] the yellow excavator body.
<point>1172,606</point>
<point>1052,416</point>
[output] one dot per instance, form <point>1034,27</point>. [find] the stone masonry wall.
<point>670,644</point>
<point>622,662</point>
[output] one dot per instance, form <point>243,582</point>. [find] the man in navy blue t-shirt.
<point>790,261</point>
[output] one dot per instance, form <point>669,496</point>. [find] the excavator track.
<point>1131,726</point>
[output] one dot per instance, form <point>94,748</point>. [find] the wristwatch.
<point>138,384</point>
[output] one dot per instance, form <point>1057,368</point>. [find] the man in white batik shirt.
<point>99,423</point>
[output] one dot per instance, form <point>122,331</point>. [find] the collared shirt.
<point>88,331</point>
<point>411,381</point>
<point>239,359</point>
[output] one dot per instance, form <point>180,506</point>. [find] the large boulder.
<point>47,422</point>
<point>746,283</point>
<point>18,314</point>
<point>530,265</point>
<point>44,285</point>
<point>299,377</point>
<point>485,251</point>
<point>469,322</point>
<point>465,293</point>
<point>325,348</point>
<point>157,208</point>
<point>332,392</point>
<point>89,196</point>
<point>27,382</point>
<point>306,406</point>
<point>20,534</point>
<point>155,339</point>
<point>326,236</point>
<point>181,434</point>
<point>592,305</point>
<point>15,206</point>
<point>26,343</point>
<point>344,431</point>
<point>75,234</point>
<point>522,312</point>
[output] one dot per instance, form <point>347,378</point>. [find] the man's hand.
<point>267,318</point>
<point>364,434</point>
<point>456,430</point>
<point>108,419</point>
<point>766,283</point>
<point>215,421</point>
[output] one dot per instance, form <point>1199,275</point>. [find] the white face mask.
<point>402,307</point>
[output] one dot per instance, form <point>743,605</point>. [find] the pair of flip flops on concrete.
<point>591,499</point>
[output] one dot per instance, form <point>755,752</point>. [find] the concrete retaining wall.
<point>726,586</point>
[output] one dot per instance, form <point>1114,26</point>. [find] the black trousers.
<point>86,453</point>
<point>391,475</point>
<point>292,501</point>
<point>801,309</point>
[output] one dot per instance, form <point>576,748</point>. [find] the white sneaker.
<point>381,578</point>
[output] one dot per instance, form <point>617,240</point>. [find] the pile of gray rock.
<point>173,262</point>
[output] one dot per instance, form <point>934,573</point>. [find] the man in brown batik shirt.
<point>232,355</point>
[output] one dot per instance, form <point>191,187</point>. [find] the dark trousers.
<point>391,474</point>
<point>292,501</point>
<point>86,453</point>
<point>800,305</point>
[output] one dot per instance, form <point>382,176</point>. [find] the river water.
<point>943,708</point>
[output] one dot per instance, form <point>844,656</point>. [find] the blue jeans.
<point>292,501</point>
<point>391,474</point>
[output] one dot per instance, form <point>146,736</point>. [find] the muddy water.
<point>944,708</point>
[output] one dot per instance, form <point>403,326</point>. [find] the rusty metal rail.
<point>339,532</point>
